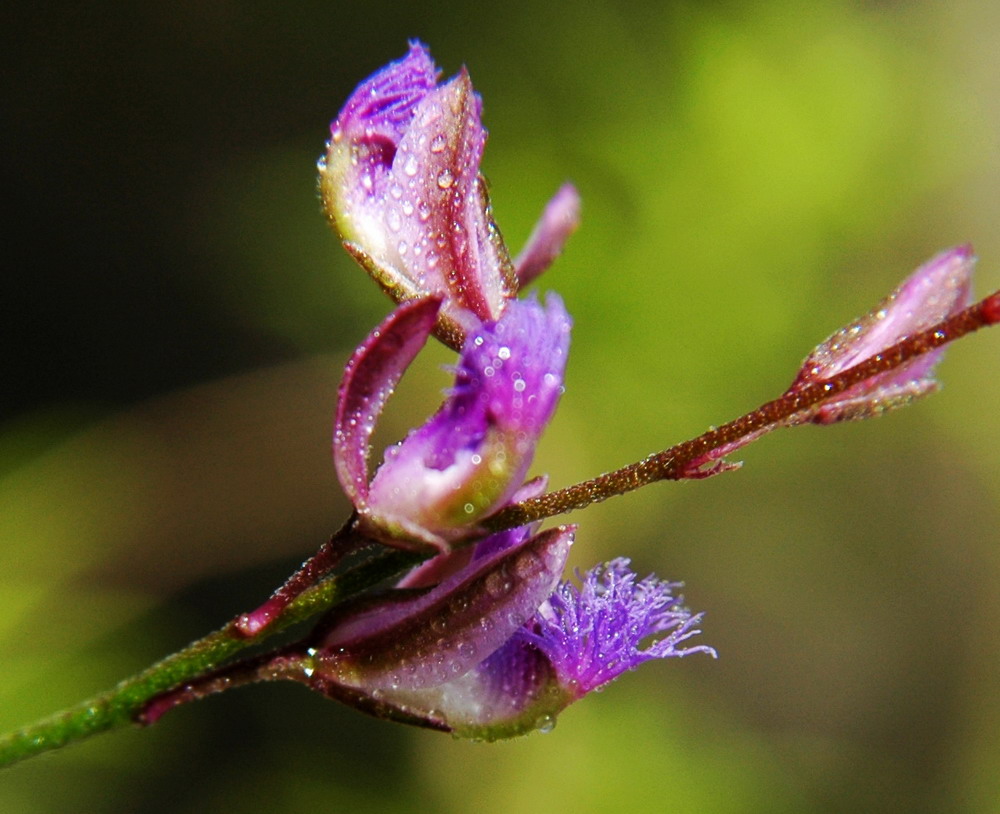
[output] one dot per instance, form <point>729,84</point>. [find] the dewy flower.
<point>400,183</point>
<point>474,453</point>
<point>493,651</point>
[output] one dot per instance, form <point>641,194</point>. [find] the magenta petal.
<point>938,289</point>
<point>369,379</point>
<point>559,220</point>
<point>382,106</point>
<point>441,230</point>
<point>413,643</point>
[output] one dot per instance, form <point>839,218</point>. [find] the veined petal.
<point>424,640</point>
<point>363,144</point>
<point>469,459</point>
<point>513,692</point>
<point>938,289</point>
<point>369,379</point>
<point>444,235</point>
<point>401,184</point>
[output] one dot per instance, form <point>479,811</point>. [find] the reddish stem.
<point>317,566</point>
<point>676,462</point>
<point>286,663</point>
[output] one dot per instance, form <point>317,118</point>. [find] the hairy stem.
<point>123,704</point>
<point>675,462</point>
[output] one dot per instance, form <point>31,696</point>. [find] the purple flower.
<point>401,184</point>
<point>473,454</point>
<point>486,655</point>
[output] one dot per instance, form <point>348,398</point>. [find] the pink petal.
<point>935,291</point>
<point>559,220</point>
<point>445,238</point>
<point>410,643</point>
<point>369,379</point>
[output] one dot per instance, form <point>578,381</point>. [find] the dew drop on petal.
<point>438,143</point>
<point>445,179</point>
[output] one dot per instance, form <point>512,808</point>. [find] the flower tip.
<point>991,308</point>
<point>559,220</point>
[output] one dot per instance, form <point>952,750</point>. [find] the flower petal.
<point>363,143</point>
<point>369,379</point>
<point>441,230</point>
<point>469,459</point>
<point>559,220</point>
<point>413,642</point>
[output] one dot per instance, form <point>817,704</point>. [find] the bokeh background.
<point>753,177</point>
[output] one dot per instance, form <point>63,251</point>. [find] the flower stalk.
<point>676,462</point>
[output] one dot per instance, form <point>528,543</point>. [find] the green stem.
<point>121,705</point>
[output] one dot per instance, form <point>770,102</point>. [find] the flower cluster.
<point>482,639</point>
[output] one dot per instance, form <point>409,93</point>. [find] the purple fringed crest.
<point>592,634</point>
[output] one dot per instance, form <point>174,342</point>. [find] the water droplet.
<point>545,724</point>
<point>423,210</point>
<point>394,220</point>
<point>445,179</point>
<point>407,208</point>
<point>496,585</point>
<point>525,565</point>
<point>396,191</point>
<point>438,143</point>
<point>402,248</point>
<point>410,166</point>
<point>519,385</point>
<point>504,353</point>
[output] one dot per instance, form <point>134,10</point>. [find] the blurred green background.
<point>753,177</point>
